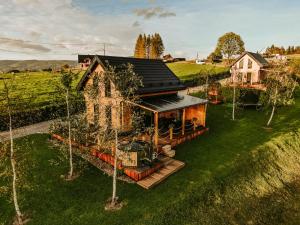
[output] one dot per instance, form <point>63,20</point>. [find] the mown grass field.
<point>217,185</point>
<point>188,71</point>
<point>40,87</point>
<point>36,88</point>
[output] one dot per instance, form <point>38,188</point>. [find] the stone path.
<point>42,127</point>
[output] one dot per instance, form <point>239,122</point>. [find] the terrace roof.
<point>170,102</point>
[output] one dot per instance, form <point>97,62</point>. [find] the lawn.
<point>188,71</point>
<point>47,199</point>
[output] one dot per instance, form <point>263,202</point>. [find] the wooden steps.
<point>170,166</point>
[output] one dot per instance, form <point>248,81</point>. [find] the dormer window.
<point>249,64</point>
<point>241,64</point>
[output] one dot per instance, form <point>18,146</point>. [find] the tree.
<point>230,44</point>
<point>280,87</point>
<point>140,47</point>
<point>13,103</point>
<point>65,89</point>
<point>158,46</point>
<point>236,81</point>
<point>127,82</point>
<point>123,84</point>
<point>150,46</point>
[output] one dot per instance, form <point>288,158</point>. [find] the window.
<point>95,81</point>
<point>240,77</point>
<point>108,115</point>
<point>249,64</point>
<point>107,87</point>
<point>241,64</point>
<point>96,114</point>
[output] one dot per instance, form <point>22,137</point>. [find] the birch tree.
<point>280,87</point>
<point>11,103</point>
<point>65,89</point>
<point>126,83</point>
<point>236,81</point>
<point>112,89</point>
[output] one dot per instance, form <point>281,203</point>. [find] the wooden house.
<point>249,69</point>
<point>160,99</point>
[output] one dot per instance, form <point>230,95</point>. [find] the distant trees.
<point>150,46</point>
<point>229,45</point>
<point>272,50</point>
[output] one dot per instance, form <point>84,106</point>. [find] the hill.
<point>33,65</point>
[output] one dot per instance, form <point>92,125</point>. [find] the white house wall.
<point>255,70</point>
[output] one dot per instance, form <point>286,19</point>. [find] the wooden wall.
<point>198,112</point>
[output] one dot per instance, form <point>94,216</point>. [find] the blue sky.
<point>60,29</point>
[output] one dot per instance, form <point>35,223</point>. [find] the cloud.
<point>149,13</point>
<point>20,44</point>
<point>136,24</point>
<point>58,24</point>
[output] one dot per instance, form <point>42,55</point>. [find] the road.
<point>42,127</point>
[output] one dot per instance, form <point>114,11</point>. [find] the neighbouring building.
<point>249,69</point>
<point>160,97</point>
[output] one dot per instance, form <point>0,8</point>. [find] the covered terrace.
<point>175,117</point>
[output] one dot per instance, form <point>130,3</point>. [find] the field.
<point>32,65</point>
<point>188,71</point>
<point>237,173</point>
<point>39,88</point>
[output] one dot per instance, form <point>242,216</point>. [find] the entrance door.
<point>249,75</point>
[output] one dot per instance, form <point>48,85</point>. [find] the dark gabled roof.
<point>256,57</point>
<point>156,76</point>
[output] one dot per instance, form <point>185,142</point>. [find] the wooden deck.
<point>170,166</point>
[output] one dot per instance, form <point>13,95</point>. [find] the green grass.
<point>210,160</point>
<point>40,87</point>
<point>188,71</point>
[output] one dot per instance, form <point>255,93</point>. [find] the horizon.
<point>62,29</point>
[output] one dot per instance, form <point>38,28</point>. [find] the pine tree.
<point>139,51</point>
<point>160,45</point>
<point>148,46</point>
<point>154,47</point>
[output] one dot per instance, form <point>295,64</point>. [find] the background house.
<point>249,68</point>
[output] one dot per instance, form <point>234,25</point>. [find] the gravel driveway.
<point>42,127</point>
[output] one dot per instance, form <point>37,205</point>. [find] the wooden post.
<point>171,134</point>
<point>122,115</point>
<point>183,122</point>
<point>204,119</point>
<point>156,129</point>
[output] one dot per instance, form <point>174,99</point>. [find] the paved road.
<point>42,127</point>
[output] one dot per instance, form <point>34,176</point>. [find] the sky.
<point>62,29</point>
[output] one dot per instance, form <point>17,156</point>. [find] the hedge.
<point>37,115</point>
